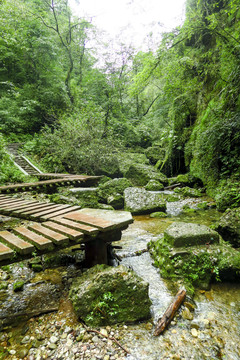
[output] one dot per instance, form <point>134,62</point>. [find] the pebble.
<point>53,339</point>
<point>194,332</point>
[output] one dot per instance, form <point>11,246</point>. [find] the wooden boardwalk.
<point>56,226</point>
<point>63,180</point>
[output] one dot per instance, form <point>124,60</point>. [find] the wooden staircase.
<point>21,161</point>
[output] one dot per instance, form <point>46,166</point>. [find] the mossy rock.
<point>139,201</point>
<point>188,192</point>
<point>154,185</point>
<point>18,285</point>
<point>116,201</point>
<point>229,226</point>
<point>154,154</point>
<point>158,214</point>
<point>196,265</point>
<point>106,295</point>
<point>108,166</point>
<point>140,175</point>
<point>126,159</point>
<point>112,188</point>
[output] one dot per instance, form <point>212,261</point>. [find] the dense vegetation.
<point>73,108</point>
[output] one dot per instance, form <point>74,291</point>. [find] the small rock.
<point>25,340</point>
<point>194,332</point>
<point>53,339</point>
<point>104,332</point>
<point>68,329</point>
<point>52,346</point>
<point>186,314</point>
<point>12,352</point>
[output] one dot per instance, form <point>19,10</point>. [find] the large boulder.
<point>140,175</point>
<point>188,192</point>
<point>229,226</point>
<point>195,255</point>
<point>154,185</point>
<point>111,192</point>
<point>154,154</point>
<point>109,166</point>
<point>126,159</point>
<point>140,201</point>
<point>107,295</point>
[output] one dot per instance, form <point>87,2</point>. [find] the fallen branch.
<point>172,186</point>
<point>107,337</point>
<point>167,317</point>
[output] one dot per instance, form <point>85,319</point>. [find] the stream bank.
<point>211,331</point>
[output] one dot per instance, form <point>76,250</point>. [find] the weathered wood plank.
<point>39,241</point>
<point>58,213</point>
<point>37,209</point>
<point>52,235</point>
<point>89,230</point>
<point>71,233</point>
<point>16,203</point>
<point>13,241</point>
<point>5,252</point>
<point>89,220</point>
<point>20,205</point>
<point>55,208</point>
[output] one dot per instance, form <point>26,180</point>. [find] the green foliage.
<point>105,309</point>
<point>8,171</point>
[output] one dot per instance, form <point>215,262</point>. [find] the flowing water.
<point>214,331</point>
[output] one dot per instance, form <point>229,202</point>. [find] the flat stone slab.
<point>181,234</point>
<point>82,189</point>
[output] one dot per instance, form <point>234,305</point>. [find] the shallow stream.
<point>214,331</point>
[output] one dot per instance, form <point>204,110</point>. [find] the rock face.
<point>229,227</point>
<point>139,201</point>
<point>108,295</point>
<point>195,254</point>
<point>182,234</point>
<point>141,174</point>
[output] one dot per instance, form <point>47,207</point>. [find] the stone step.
<point>39,241</point>
<point>56,237</point>
<point>14,242</point>
<point>71,233</point>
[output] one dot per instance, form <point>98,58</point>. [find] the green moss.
<point>18,286</point>
<point>158,214</point>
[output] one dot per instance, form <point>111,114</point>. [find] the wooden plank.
<point>52,235</point>
<point>9,201</point>
<point>52,210</point>
<point>71,233</point>
<point>39,241</point>
<point>89,230</point>
<point>5,252</point>
<point>35,209</point>
<point>15,203</point>
<point>90,220</point>
<point>58,213</point>
<point>21,246</point>
<point>20,205</point>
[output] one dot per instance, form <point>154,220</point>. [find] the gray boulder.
<point>112,188</point>
<point>140,201</point>
<point>107,295</point>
